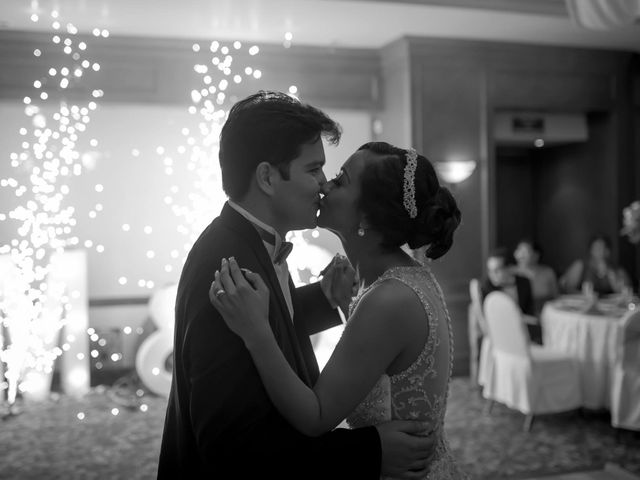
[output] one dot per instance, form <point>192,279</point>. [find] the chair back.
<point>474,291</point>
<point>629,346</point>
<point>476,305</point>
<point>507,331</point>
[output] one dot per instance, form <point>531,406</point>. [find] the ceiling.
<point>338,23</point>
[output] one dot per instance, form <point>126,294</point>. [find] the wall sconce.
<point>455,171</point>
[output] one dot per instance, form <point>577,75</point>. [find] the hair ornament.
<point>409,190</point>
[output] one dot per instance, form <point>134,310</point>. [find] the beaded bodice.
<point>420,391</point>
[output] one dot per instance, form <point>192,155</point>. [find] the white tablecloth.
<point>592,337</point>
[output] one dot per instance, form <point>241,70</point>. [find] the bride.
<point>394,358</point>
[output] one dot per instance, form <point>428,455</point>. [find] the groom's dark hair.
<point>268,127</point>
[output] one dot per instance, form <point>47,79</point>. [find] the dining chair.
<point>479,342</point>
<point>527,377</point>
<point>625,391</point>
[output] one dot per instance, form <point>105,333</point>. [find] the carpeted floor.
<point>48,440</point>
<point>494,446</point>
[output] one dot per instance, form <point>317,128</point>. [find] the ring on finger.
<point>219,293</point>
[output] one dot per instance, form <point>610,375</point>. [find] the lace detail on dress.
<point>375,408</point>
<point>421,390</point>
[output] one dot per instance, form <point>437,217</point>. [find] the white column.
<point>70,268</point>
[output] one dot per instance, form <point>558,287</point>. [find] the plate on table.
<point>611,301</point>
<point>611,309</point>
<point>619,300</point>
<point>571,302</point>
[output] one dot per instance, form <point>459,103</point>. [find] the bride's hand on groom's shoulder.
<point>242,298</point>
<point>339,282</point>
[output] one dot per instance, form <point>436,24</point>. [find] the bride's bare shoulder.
<point>391,301</point>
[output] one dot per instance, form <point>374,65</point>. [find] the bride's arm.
<point>365,350</point>
<point>375,335</point>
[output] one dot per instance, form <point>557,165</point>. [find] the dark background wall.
<point>558,195</point>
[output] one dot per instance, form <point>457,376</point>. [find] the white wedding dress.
<point>419,392</point>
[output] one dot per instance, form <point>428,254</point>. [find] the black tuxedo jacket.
<point>523,287</point>
<point>220,422</point>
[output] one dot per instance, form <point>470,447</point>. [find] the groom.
<point>220,422</point>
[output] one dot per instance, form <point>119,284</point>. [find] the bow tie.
<point>285,247</point>
<point>283,252</point>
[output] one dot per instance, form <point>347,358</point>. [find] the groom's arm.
<point>318,314</point>
<point>324,304</point>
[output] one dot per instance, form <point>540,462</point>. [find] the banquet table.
<point>589,330</point>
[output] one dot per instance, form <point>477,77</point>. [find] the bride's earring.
<point>360,232</point>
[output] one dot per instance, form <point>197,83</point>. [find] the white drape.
<point>603,14</point>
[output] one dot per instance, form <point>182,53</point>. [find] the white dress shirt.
<point>282,269</point>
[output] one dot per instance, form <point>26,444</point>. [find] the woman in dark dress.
<point>597,269</point>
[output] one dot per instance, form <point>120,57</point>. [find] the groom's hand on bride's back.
<point>406,450</point>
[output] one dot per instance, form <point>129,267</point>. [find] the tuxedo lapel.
<point>303,339</point>
<point>279,316</point>
<point>232,219</point>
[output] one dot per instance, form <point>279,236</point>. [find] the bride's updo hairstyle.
<point>382,200</point>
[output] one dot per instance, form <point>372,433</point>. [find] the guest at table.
<point>544,283</point>
<point>498,276</point>
<point>597,268</point>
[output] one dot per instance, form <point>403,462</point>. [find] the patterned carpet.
<point>48,440</point>
<point>494,446</point>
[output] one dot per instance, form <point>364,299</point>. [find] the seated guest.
<point>498,276</point>
<point>597,268</point>
<point>544,284</point>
